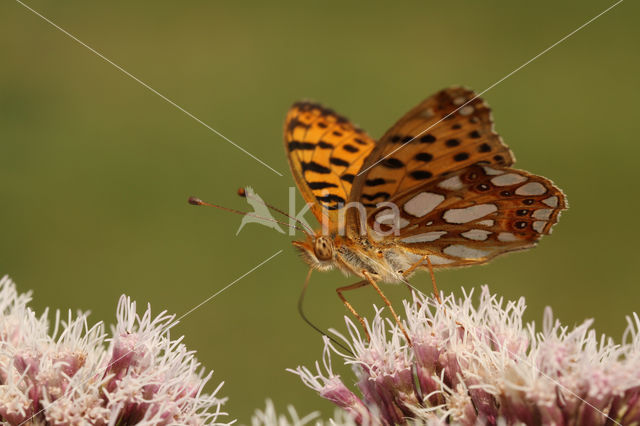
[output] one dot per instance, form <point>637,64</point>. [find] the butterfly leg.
<point>348,305</point>
<point>435,288</point>
<point>433,281</point>
<point>406,273</point>
<point>388,303</point>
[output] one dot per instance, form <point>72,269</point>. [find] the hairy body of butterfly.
<point>437,189</point>
<point>354,257</point>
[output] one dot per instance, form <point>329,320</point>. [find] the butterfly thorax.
<point>356,256</point>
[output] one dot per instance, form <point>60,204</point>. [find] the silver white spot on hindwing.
<point>439,260</point>
<point>507,237</point>
<point>427,113</point>
<point>486,222</point>
<point>423,203</point>
<point>476,234</point>
<point>539,225</point>
<point>452,184</point>
<point>470,213</point>
<point>388,217</point>
<point>466,110</point>
<point>551,201</point>
<point>424,238</point>
<point>464,252</point>
<point>531,188</point>
<point>492,172</point>
<point>508,179</point>
<point>542,214</point>
<point>459,100</point>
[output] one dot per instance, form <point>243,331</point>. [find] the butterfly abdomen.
<point>386,265</point>
<point>352,261</point>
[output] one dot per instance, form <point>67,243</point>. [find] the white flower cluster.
<point>471,365</point>
<point>68,376</point>
<point>269,417</point>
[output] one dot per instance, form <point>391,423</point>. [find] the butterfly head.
<point>318,251</point>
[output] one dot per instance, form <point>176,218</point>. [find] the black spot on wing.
<point>325,145</point>
<point>350,148</point>
<point>296,123</point>
<point>321,185</point>
<point>348,177</point>
<point>392,163</point>
<point>330,198</point>
<point>314,167</point>
<point>372,197</point>
<point>338,162</point>
<point>424,157</point>
<point>421,174</point>
<point>375,182</point>
<point>485,147</point>
<point>428,138</point>
<point>294,145</point>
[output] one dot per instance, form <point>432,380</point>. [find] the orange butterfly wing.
<point>431,139</point>
<point>471,215</point>
<point>430,164</point>
<point>325,153</point>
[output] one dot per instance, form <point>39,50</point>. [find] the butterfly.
<point>437,190</point>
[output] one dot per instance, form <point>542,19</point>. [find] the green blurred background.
<point>96,170</point>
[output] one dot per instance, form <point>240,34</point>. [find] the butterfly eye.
<point>323,248</point>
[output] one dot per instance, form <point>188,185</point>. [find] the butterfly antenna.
<point>304,317</point>
<point>243,193</point>
<point>198,202</point>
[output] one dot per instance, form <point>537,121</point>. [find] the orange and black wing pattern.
<point>325,153</point>
<point>471,215</point>
<point>448,131</point>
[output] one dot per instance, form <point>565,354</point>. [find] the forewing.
<point>325,153</point>
<point>448,131</point>
<point>470,216</point>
